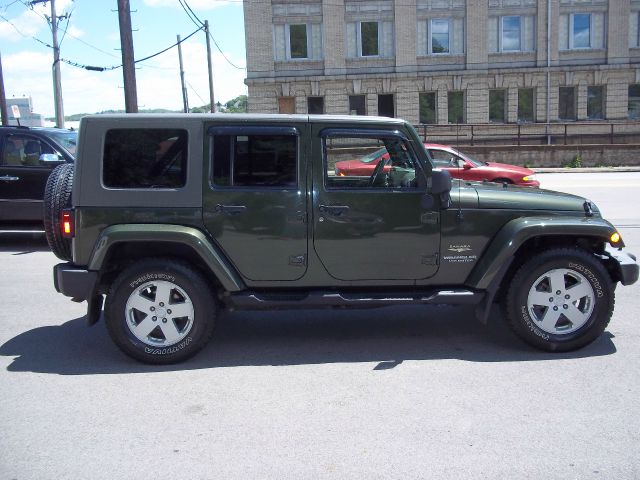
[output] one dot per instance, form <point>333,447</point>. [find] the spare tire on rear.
<point>57,197</point>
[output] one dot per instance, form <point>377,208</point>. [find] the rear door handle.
<point>334,210</point>
<point>7,178</point>
<point>230,209</point>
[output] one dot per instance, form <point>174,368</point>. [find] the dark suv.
<point>27,157</point>
<point>172,217</point>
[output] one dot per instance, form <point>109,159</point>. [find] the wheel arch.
<point>117,244</point>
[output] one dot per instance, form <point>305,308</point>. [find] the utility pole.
<point>185,99</point>
<point>128,62</point>
<point>57,83</point>
<point>206,32</point>
<point>3,99</point>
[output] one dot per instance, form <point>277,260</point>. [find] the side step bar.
<point>264,301</point>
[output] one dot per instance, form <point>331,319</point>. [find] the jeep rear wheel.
<point>57,197</point>
<point>560,300</point>
<point>160,311</point>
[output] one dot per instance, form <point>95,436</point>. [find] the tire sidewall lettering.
<point>529,323</point>
<point>152,276</point>
<point>168,350</point>
<point>593,279</point>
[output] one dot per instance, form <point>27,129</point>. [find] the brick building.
<point>440,61</point>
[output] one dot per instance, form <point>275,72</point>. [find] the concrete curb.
<point>585,169</point>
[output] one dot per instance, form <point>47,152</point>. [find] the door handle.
<point>230,209</point>
<point>7,178</point>
<point>334,210</point>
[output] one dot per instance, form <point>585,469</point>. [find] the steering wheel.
<point>376,172</point>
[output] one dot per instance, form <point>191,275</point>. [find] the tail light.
<point>67,223</point>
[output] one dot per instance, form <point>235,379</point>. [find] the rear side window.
<point>145,158</point>
<point>255,160</point>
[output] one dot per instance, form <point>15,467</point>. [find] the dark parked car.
<point>444,157</point>
<point>27,156</point>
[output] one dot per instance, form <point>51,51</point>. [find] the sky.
<point>93,38</point>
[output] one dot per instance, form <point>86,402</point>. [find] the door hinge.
<point>298,260</point>
<point>297,218</point>
<point>430,259</point>
<point>430,218</point>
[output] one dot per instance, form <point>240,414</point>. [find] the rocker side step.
<point>266,300</point>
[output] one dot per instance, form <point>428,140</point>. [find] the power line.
<point>114,67</point>
<point>194,18</point>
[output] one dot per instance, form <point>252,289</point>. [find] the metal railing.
<point>572,133</point>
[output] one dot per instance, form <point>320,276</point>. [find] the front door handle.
<point>230,209</point>
<point>334,210</point>
<point>7,178</point>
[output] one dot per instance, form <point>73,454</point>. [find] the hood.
<point>495,195</point>
<point>511,168</point>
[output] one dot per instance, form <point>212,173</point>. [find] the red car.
<point>444,157</point>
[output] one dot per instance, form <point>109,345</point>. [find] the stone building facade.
<point>446,61</point>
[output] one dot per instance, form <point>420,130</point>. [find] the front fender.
<point>516,232</point>
<point>188,236</point>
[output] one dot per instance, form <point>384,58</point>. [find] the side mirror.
<point>49,158</point>
<point>466,166</point>
<point>440,182</point>
<point>441,186</point>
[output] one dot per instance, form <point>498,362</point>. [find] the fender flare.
<point>489,271</point>
<point>189,236</point>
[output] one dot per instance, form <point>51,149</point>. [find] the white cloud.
<point>28,23</point>
<point>194,4</point>
<point>28,73</point>
<point>75,31</point>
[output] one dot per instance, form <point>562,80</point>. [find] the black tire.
<point>186,289</point>
<point>57,197</point>
<point>502,180</point>
<point>565,321</point>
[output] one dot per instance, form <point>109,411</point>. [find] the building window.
<point>369,46</point>
<point>580,28</point>
<point>511,34</point>
<point>427,107</point>
<point>634,101</point>
<point>595,102</point>
<point>385,106</point>
<point>567,103</point>
<point>497,106</point>
<point>439,35</point>
<point>357,105</point>
<point>315,105</point>
<point>298,41</point>
<point>455,107</point>
<point>287,105</point>
<point>370,39</point>
<point>526,105</point>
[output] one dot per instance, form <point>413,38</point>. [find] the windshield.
<point>67,139</point>
<point>476,163</point>
<point>374,155</point>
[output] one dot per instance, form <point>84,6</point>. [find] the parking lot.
<point>414,392</point>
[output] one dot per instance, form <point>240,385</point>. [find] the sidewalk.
<point>585,169</point>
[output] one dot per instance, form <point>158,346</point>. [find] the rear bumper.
<point>75,282</point>
<point>624,264</point>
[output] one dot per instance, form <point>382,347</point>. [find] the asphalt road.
<point>400,393</point>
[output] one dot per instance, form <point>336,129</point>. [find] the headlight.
<point>529,178</point>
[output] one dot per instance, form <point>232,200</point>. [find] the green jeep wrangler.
<point>167,218</point>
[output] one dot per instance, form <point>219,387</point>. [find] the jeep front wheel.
<point>160,311</point>
<point>560,300</point>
